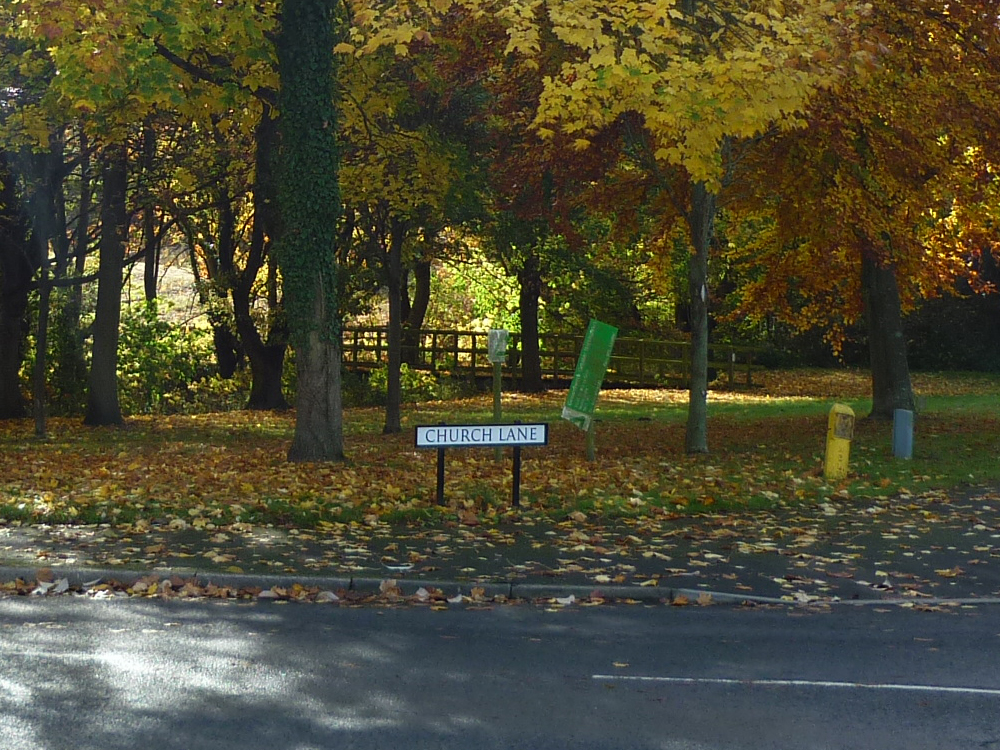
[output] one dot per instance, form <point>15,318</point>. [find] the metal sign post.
<point>497,354</point>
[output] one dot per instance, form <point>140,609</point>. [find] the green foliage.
<point>214,393</point>
<point>604,280</point>
<point>67,353</point>
<point>476,294</point>
<point>158,360</point>
<point>417,386</point>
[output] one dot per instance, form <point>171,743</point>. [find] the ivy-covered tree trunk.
<point>891,387</point>
<point>530,278</point>
<point>103,407</point>
<point>701,223</point>
<point>318,417</point>
<point>309,201</point>
<point>16,269</point>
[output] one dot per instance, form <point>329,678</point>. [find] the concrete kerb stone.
<point>510,590</point>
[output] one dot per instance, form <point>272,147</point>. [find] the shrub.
<point>159,360</point>
<point>417,385</point>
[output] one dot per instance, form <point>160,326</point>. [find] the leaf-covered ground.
<point>213,492</point>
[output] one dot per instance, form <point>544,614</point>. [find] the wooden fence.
<point>634,361</point>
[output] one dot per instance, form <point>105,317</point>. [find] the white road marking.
<point>798,683</point>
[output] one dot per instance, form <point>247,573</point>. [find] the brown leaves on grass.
<point>216,470</point>
<point>854,383</point>
<point>224,477</point>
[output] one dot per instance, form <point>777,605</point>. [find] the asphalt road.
<point>158,675</point>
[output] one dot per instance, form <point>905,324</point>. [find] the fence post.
<point>556,355</point>
<point>642,362</point>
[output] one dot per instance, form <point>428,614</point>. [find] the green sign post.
<point>588,377</point>
<point>496,353</point>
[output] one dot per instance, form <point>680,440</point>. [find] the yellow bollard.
<point>839,431</point>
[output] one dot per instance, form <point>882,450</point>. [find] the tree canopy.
<point>840,143</point>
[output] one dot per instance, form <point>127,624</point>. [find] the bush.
<point>417,385</point>
<point>360,389</point>
<point>215,393</point>
<point>159,360</point>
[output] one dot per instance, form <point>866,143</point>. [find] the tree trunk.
<point>228,349</point>
<point>701,223</point>
<point>69,375</point>
<point>891,387</point>
<point>16,269</point>
<point>48,224</point>
<point>151,239</point>
<point>103,407</point>
<point>309,201</point>
<point>41,344</point>
<point>530,278</point>
<point>228,352</point>
<point>266,359</point>
<point>13,308</point>
<point>394,280</point>
<point>417,311</point>
<point>267,367</point>
<point>319,411</point>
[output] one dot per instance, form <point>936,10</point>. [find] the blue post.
<point>902,433</point>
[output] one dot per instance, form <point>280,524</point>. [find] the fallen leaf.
<point>950,572</point>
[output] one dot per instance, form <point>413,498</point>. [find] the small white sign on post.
<point>496,345</point>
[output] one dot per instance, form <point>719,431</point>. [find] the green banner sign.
<point>589,374</point>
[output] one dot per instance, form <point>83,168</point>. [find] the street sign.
<point>442,436</point>
<point>481,435</point>
<point>496,345</point>
<point>589,374</point>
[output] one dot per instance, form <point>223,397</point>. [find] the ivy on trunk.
<point>309,202</point>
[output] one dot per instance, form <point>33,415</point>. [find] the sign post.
<point>587,379</point>
<point>497,354</point>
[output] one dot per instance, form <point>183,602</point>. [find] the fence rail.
<point>634,361</point>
